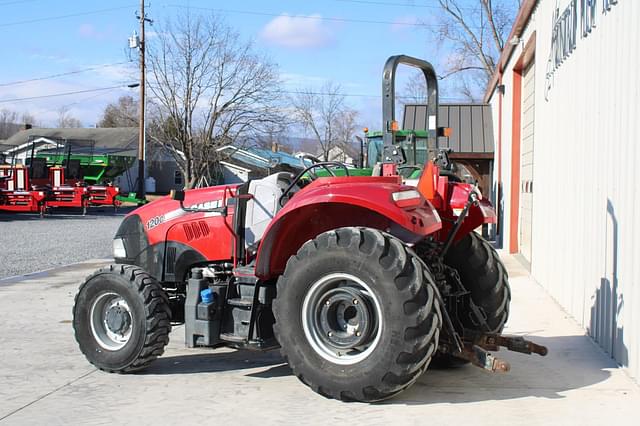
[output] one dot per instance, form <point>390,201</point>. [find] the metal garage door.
<point>526,159</point>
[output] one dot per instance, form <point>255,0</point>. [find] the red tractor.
<point>361,281</point>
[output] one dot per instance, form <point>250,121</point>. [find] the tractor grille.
<point>195,230</point>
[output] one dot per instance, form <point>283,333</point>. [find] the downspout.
<point>499,183</point>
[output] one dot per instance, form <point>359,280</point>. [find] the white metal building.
<point>565,106</point>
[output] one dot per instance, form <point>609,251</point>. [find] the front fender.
<point>337,202</point>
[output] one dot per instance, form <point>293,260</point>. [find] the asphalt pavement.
<point>29,243</point>
<point>46,380</point>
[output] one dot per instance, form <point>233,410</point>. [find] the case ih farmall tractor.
<point>361,281</point>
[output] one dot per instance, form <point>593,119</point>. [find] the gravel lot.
<point>31,244</point>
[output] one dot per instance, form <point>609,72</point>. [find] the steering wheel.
<point>308,170</point>
<point>314,161</point>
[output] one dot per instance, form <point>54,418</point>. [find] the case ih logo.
<point>207,205</point>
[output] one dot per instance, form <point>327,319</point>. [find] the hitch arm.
<point>477,350</point>
<point>512,343</point>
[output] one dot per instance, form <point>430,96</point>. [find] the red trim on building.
<point>514,210</point>
<point>522,18</point>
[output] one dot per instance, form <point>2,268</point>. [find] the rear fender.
<point>320,209</point>
<point>479,214</point>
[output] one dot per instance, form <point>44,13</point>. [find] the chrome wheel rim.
<point>111,321</point>
<point>342,318</point>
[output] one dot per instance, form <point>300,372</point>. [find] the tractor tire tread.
<point>157,314</point>
<point>415,287</point>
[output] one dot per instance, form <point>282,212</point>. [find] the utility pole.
<point>140,194</point>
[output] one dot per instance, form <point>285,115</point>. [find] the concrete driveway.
<point>44,379</point>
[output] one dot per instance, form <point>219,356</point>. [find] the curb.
<point>17,278</point>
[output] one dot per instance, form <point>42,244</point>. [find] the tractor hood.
<point>144,235</point>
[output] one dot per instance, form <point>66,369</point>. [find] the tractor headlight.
<point>119,251</point>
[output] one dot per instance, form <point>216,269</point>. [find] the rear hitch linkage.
<point>477,350</point>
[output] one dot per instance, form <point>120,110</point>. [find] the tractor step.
<point>240,302</point>
<point>233,338</point>
<point>247,316</point>
<point>245,274</point>
<point>257,345</point>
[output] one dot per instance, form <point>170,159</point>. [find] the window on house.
<point>177,177</point>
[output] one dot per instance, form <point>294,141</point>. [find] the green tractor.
<point>414,145</point>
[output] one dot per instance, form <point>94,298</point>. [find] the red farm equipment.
<point>53,181</point>
<point>16,193</point>
<point>361,281</point>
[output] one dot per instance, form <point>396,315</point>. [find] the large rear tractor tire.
<point>482,273</point>
<point>121,319</point>
<point>357,315</point>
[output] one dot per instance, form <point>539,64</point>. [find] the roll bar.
<point>390,154</point>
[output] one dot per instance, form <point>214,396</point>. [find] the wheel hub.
<point>341,318</point>
<point>111,321</point>
<point>344,319</point>
<point>117,319</point>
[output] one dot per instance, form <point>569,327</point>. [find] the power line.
<point>71,15</point>
<point>53,95</point>
<point>315,17</point>
<point>15,83</point>
<point>384,3</point>
<point>348,95</point>
<point>319,18</point>
<point>7,3</point>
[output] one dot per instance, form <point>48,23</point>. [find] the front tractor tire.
<point>357,315</point>
<point>121,319</point>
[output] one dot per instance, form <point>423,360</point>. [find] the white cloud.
<point>298,32</point>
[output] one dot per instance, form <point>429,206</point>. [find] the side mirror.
<point>177,195</point>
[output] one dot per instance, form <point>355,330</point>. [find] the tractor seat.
<point>265,204</point>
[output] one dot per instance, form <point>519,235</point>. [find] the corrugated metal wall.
<point>586,235</point>
<point>471,124</point>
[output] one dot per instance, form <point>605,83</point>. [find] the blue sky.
<point>40,39</point>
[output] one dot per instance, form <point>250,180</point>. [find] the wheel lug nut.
<point>330,334</point>
<point>327,303</point>
<point>355,301</point>
<point>358,334</point>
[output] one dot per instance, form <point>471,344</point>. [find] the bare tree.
<point>274,136</point>
<point>346,130</point>
<point>8,123</point>
<point>415,89</point>
<point>11,122</point>
<point>209,89</point>
<point>475,33</point>
<point>322,114</point>
<point>123,113</point>
<point>66,120</point>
